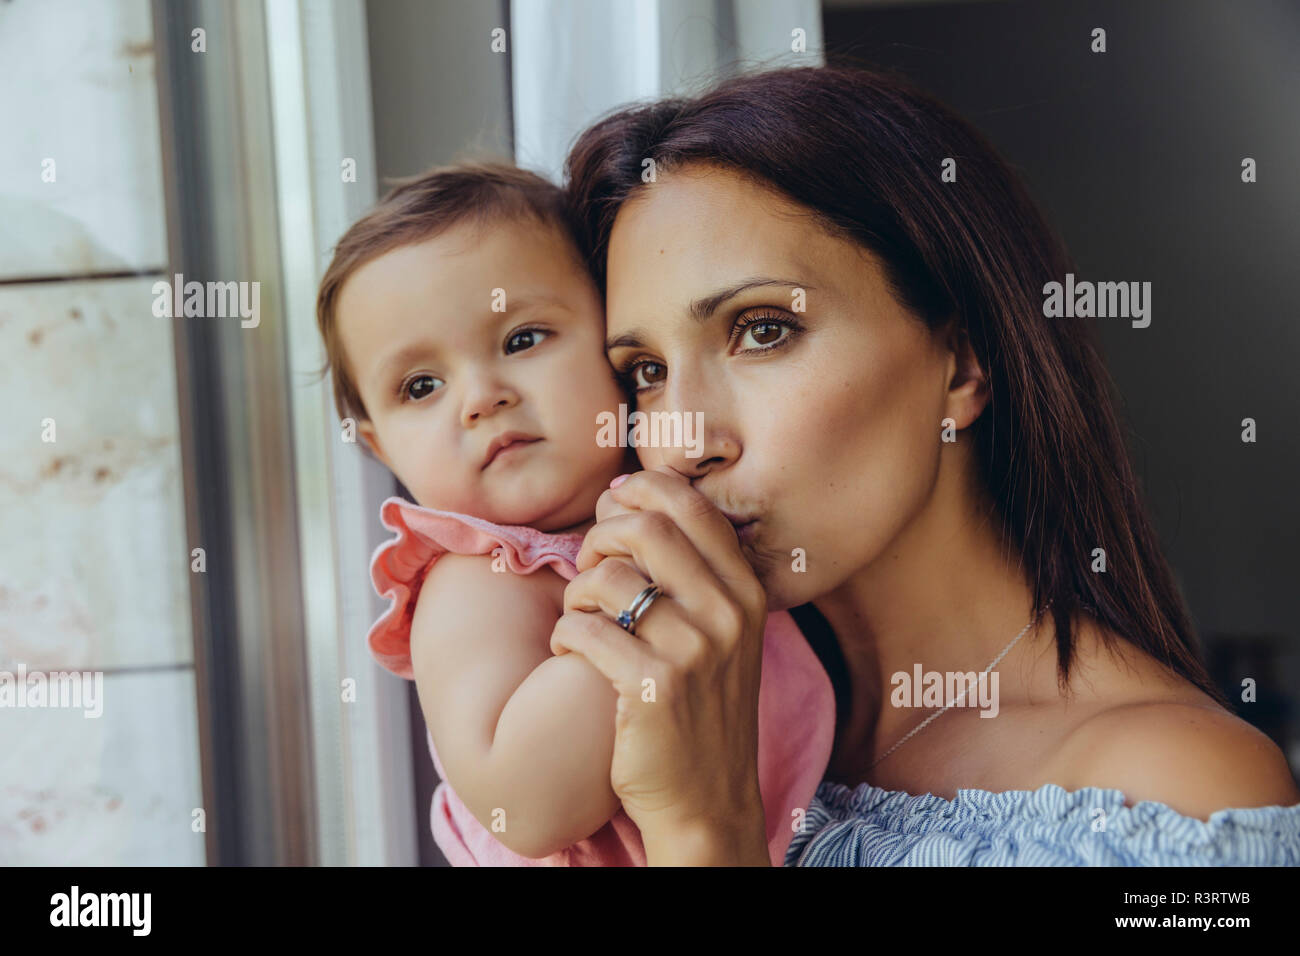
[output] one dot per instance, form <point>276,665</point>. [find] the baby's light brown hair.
<point>419,208</point>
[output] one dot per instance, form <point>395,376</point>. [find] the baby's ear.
<point>370,440</point>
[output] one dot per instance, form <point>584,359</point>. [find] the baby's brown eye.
<point>524,340</point>
<point>414,392</point>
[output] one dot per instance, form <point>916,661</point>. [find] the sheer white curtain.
<point>574,60</point>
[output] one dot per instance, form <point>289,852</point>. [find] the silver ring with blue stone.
<point>627,620</point>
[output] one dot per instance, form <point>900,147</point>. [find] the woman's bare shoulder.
<point>1160,738</point>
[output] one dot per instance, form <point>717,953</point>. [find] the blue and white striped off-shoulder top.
<point>868,826</point>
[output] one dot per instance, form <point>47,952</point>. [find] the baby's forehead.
<point>538,262</point>
<point>528,241</point>
<point>552,237</point>
<point>473,275</point>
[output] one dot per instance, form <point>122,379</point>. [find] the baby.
<point>466,339</point>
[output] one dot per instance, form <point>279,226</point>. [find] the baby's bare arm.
<point>517,729</point>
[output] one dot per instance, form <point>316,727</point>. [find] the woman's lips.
<point>745,527</point>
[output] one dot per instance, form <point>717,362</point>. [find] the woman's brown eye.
<point>649,379</point>
<point>758,336</point>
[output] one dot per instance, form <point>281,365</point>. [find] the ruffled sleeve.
<point>398,566</point>
<point>1050,826</point>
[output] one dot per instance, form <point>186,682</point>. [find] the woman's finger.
<point>664,555</point>
<point>604,587</point>
<point>612,586</point>
<point>607,507</point>
<point>615,653</point>
<point>664,490</point>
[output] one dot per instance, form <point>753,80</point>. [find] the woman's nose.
<point>696,455</point>
<point>695,435</point>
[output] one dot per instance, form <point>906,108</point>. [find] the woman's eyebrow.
<point>703,308</point>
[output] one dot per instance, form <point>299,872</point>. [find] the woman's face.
<point>821,414</point>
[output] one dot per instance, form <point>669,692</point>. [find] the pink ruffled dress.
<point>796,704</point>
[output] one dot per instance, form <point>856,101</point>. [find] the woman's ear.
<point>968,386</point>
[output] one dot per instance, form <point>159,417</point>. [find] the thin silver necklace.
<point>938,713</point>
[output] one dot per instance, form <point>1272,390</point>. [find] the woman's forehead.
<point>711,196</point>
<point>686,239</point>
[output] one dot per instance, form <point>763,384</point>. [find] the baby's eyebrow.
<point>535,301</point>
<point>514,306</point>
<point>403,356</point>
<point>703,308</point>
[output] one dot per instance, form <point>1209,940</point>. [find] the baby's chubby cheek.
<point>442,495</point>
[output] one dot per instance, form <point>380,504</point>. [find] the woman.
<point>894,433</point>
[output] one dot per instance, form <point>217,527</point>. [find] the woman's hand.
<point>686,747</point>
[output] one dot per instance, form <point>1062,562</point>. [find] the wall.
<point>94,564</point>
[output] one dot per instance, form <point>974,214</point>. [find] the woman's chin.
<point>785,588</point>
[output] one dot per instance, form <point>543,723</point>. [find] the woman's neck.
<point>944,595</point>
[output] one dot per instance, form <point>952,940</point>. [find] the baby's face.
<point>444,376</point>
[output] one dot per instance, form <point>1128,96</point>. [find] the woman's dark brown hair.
<point>865,151</point>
